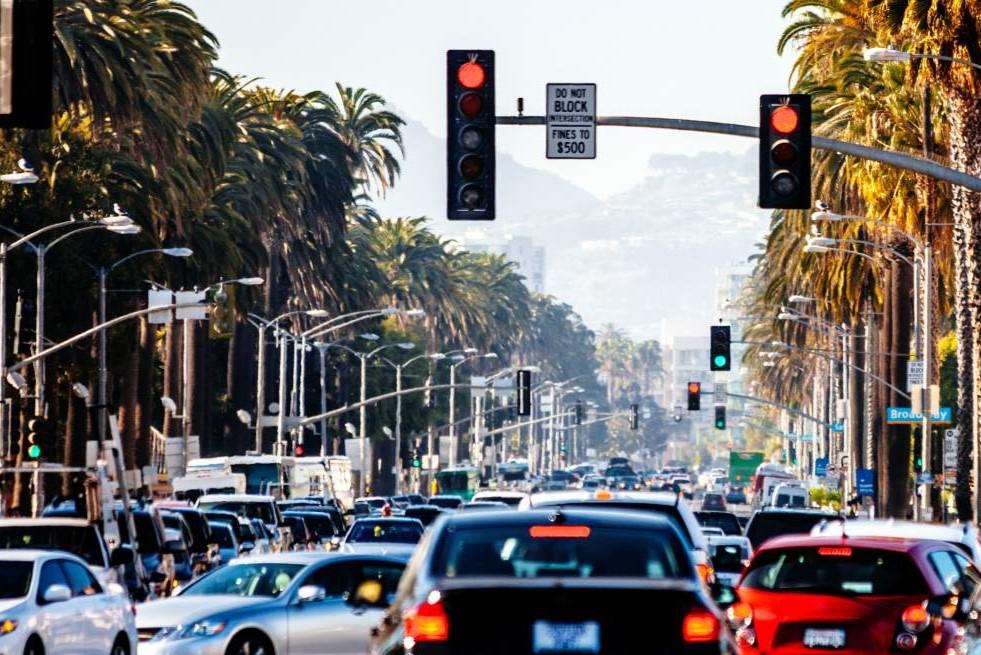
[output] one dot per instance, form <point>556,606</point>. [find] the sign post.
<point>570,121</point>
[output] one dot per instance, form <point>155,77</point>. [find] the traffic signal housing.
<point>470,116</point>
<point>694,396</point>
<point>578,412</point>
<point>634,417</point>
<point>720,417</point>
<point>40,438</point>
<point>720,347</point>
<point>26,51</point>
<point>785,151</point>
<point>523,383</point>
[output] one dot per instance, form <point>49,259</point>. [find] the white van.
<point>790,494</point>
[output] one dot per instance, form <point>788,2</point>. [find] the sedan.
<point>394,535</point>
<point>53,605</point>
<point>300,603</point>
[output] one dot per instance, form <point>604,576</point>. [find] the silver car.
<point>300,603</point>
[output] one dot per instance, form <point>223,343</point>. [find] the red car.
<point>812,595</point>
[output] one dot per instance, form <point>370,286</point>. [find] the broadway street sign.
<point>899,415</point>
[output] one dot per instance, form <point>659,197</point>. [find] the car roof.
<point>878,543</point>
<point>54,522</point>
<point>508,517</point>
<point>32,554</point>
<point>897,529</point>
<point>503,493</point>
<point>546,498</point>
<point>387,519</point>
<point>304,557</point>
<point>225,498</point>
<point>727,540</point>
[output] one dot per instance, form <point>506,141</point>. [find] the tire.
<point>34,646</point>
<point>120,646</point>
<point>250,643</point>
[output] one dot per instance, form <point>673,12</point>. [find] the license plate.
<point>549,637</point>
<point>815,638</point>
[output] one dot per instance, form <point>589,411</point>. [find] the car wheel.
<point>34,647</point>
<point>120,647</point>
<point>252,643</point>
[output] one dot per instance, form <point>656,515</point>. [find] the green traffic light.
<point>720,360</point>
<point>34,451</point>
<point>720,425</point>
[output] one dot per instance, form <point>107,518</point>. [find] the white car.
<point>730,555</point>
<point>76,536</point>
<point>964,536</point>
<point>51,604</point>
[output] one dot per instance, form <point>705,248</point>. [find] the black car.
<point>562,581</point>
<point>335,517</point>
<point>425,513</point>
<point>319,524</point>
<point>725,521</point>
<point>199,528</point>
<point>769,523</point>
<point>446,502</point>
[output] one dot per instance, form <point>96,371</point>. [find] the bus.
<point>462,482</point>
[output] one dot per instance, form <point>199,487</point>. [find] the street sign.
<point>570,120</point>
<point>914,373</point>
<point>865,482</point>
<point>838,427</point>
<point>720,396</point>
<point>821,467</point>
<point>905,415</point>
<point>950,448</point>
<point>924,478</point>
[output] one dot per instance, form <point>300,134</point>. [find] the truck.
<point>767,477</point>
<point>742,467</point>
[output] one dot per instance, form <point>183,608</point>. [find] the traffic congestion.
<point>716,561</point>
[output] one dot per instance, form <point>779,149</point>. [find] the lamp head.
<point>406,345</point>
<point>168,404</point>
<point>317,313</point>
<point>351,430</point>
<point>415,313</point>
<point>251,281</point>
<point>370,336</point>
<point>80,391</point>
<point>244,416</point>
<point>177,252</point>
<point>17,381</point>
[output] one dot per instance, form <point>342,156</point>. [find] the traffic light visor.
<point>783,119</point>
<point>471,75</point>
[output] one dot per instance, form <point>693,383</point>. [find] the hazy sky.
<point>705,59</point>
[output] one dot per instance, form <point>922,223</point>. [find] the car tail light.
<point>740,614</point>
<point>428,621</point>
<point>700,626</point>
<point>559,531</point>
<point>705,572</point>
<point>835,551</point>
<point>916,618</point>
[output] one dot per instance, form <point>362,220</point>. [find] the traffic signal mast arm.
<point>896,159</point>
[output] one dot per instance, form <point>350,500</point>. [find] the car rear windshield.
<point>726,522</point>
<point>399,532</point>
<point>728,558</point>
<point>670,511</point>
<point>446,503</point>
<point>790,500</point>
<point>15,579</point>
<point>837,570</point>
<point>222,535</point>
<point>252,510</point>
<point>77,540</point>
<point>561,550</point>
<point>767,525</point>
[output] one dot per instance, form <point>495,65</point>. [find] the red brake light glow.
<point>427,622</point>
<point>559,531</point>
<point>835,551</point>
<point>784,119</point>
<point>471,75</point>
<point>700,626</point>
<point>916,618</point>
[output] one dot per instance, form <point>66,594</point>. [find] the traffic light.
<point>26,47</point>
<point>523,382</point>
<point>720,341</point>
<point>578,414</point>
<point>634,417</point>
<point>470,119</point>
<point>694,396</point>
<point>720,417</point>
<point>40,437</point>
<point>785,151</point>
<point>416,460</point>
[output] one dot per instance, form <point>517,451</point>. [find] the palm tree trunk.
<point>240,378</point>
<point>899,446</point>
<point>856,386</point>
<point>130,392</point>
<point>880,391</point>
<point>144,397</point>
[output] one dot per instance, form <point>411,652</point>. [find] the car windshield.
<point>252,510</point>
<point>512,501</point>
<point>839,570</point>
<point>790,500</point>
<point>246,579</point>
<point>575,551</point>
<point>728,558</point>
<point>726,522</point>
<point>78,540</point>
<point>450,502</point>
<point>222,535</point>
<point>321,524</point>
<point>400,532</point>
<point>15,579</point>
<point>767,525</point>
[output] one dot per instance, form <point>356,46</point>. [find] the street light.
<point>25,175</point>
<point>465,355</point>
<point>890,54</point>
<point>799,298</point>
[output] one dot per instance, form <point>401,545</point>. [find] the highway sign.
<point>914,373</point>
<point>570,121</point>
<point>900,415</point>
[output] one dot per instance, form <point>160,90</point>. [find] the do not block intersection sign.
<point>570,121</point>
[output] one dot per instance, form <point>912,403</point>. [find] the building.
<point>529,257</point>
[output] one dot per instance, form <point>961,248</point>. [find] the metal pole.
<point>103,372</point>
<point>363,428</point>
<point>322,349</point>
<point>303,376</point>
<point>294,409</point>
<point>453,415</point>
<point>3,348</point>
<point>847,436</point>
<point>186,391</point>
<point>927,347</point>
<point>398,430</point>
<point>260,387</point>
<point>281,417</point>
<point>39,335</point>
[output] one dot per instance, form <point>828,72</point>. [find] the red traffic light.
<point>784,119</point>
<point>471,104</point>
<point>471,75</point>
<point>694,387</point>
<point>783,152</point>
<point>298,450</point>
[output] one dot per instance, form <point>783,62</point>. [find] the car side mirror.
<point>57,593</point>
<point>369,592</point>
<point>722,594</point>
<point>310,593</point>
<point>121,556</point>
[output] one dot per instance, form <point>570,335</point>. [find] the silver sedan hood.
<point>182,610</point>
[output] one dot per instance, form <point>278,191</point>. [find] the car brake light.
<point>603,494</point>
<point>700,626</point>
<point>428,621</point>
<point>835,551</point>
<point>740,614</point>
<point>705,572</point>
<point>559,531</point>
<point>916,618</point>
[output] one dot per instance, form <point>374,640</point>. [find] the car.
<point>425,513</point>
<point>630,482</point>
<point>593,482</point>
<point>201,546</point>
<point>851,595</point>
<point>709,531</point>
<point>648,502</point>
<point>177,547</point>
<point>446,502</point>
<point>964,536</point>
<point>383,535</point>
<point>768,523</point>
<point>157,562</point>
<point>726,521</point>
<point>400,502</point>
<point>242,535</point>
<point>509,498</point>
<point>336,517</point>
<point>569,580</point>
<point>253,506</point>
<point>736,496</point>
<point>375,504</point>
<point>714,501</point>
<point>730,556</point>
<point>288,604</point>
<point>254,542</point>
<point>320,524</point>
<point>225,538</point>
<point>790,495</point>
<point>476,505</point>
<point>76,536</point>
<point>683,484</point>
<point>54,605</point>
<point>301,536</point>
